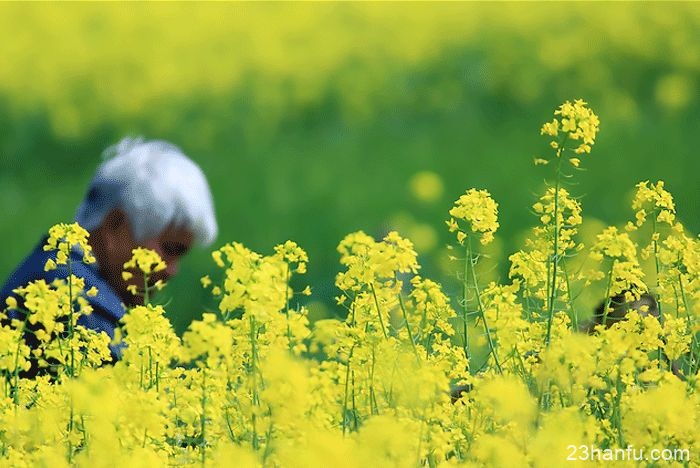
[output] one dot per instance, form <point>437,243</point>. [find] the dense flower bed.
<point>505,374</point>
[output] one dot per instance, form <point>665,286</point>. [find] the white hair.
<point>156,186</point>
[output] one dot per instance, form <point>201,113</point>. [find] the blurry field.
<point>312,121</point>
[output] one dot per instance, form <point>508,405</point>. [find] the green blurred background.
<point>316,120</point>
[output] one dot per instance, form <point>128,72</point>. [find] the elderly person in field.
<point>145,193</point>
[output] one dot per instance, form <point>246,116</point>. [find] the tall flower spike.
<point>63,238</point>
<point>145,260</point>
<point>572,122</point>
<point>479,210</point>
<point>655,199</point>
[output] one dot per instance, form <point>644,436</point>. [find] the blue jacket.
<point>108,308</point>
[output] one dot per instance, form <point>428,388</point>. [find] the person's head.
<point>149,194</point>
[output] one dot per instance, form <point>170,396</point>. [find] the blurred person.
<point>144,193</point>
<point>618,308</point>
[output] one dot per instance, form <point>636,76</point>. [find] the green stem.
<point>555,255</point>
<point>657,264</point>
<point>70,431</point>
<point>374,407</point>
<point>203,417</point>
<point>693,360</point>
<point>268,438</point>
<point>146,295</point>
<point>477,293</point>
<point>354,406</point>
<point>353,322</point>
<point>15,373</point>
<point>254,364</point>
<point>465,307</point>
<point>150,367</point>
<point>616,410</point>
<point>379,313</point>
<point>574,316</point>
<point>658,273</point>
<point>345,399</point>
<point>286,305</point>
<point>408,327</point>
<point>608,299</point>
<point>229,429</point>
<point>70,318</point>
<point>72,357</point>
<point>428,337</point>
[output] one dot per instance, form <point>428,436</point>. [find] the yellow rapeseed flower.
<point>11,302</point>
<point>479,211</point>
<point>572,121</point>
<point>653,198</point>
<point>63,238</point>
<point>145,260</point>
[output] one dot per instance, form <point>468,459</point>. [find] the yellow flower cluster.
<point>145,262</point>
<point>559,220</point>
<point>399,378</point>
<point>62,239</point>
<point>507,319</point>
<point>567,212</point>
<point>479,210</point>
<point>676,254</point>
<point>655,198</point>
<point>575,122</point>
<point>368,261</point>
<point>625,274</point>
<point>151,342</point>
<point>14,353</point>
<point>50,315</point>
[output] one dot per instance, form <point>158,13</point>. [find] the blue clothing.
<point>107,306</point>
